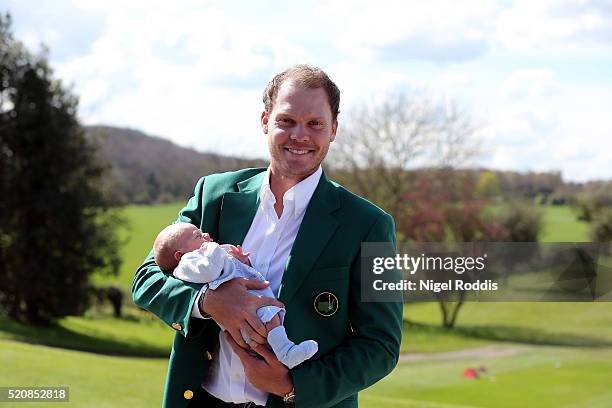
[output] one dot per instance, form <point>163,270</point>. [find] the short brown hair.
<point>309,77</point>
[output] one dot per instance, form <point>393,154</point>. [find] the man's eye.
<point>315,123</point>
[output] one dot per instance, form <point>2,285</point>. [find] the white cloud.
<point>455,79</point>
<point>446,31</point>
<point>437,30</point>
<point>556,26</point>
<point>194,73</point>
<point>180,75</point>
<point>538,122</point>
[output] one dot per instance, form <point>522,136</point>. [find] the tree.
<point>488,185</point>
<point>56,225</point>
<point>376,154</point>
<point>380,143</point>
<point>442,206</point>
<point>524,223</point>
<point>601,227</point>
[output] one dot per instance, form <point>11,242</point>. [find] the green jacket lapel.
<point>316,229</point>
<point>238,210</point>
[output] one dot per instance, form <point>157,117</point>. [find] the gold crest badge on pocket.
<point>326,304</point>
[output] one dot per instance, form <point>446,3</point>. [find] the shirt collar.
<point>300,194</point>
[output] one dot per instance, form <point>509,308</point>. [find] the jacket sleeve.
<point>369,353</point>
<point>165,296</point>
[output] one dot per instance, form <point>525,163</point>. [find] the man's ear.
<point>178,255</point>
<point>334,130</point>
<point>264,122</point>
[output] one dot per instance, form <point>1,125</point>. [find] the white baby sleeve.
<point>202,265</point>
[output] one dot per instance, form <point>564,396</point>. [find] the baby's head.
<point>176,240</point>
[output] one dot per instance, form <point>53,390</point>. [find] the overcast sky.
<point>536,75</point>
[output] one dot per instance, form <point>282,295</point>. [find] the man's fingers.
<point>266,353</point>
<point>268,301</point>
<point>258,326</point>
<point>253,335</point>
<point>235,334</point>
<point>242,354</point>
<point>255,284</point>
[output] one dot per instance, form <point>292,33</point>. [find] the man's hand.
<point>269,374</point>
<point>231,306</point>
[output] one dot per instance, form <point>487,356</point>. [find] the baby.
<point>195,257</point>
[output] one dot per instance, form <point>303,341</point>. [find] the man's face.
<point>192,238</point>
<point>299,128</point>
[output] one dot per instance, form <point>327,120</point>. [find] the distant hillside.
<point>148,169</point>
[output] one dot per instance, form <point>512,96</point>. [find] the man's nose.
<point>299,134</point>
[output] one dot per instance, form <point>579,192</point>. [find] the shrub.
<point>522,222</point>
<point>601,227</point>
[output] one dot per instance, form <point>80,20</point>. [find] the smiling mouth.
<point>298,152</point>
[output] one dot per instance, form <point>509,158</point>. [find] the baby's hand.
<point>237,253</point>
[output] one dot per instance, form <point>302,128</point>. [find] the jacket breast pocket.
<point>320,309</point>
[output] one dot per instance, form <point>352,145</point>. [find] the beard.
<point>295,166</point>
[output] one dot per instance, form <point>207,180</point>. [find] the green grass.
<point>566,359</point>
<point>424,334</point>
<point>562,324</point>
<point>94,380</point>
<point>145,222</point>
<point>138,333</point>
<point>541,377</point>
<point>561,225</point>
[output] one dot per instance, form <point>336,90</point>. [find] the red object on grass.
<point>470,373</point>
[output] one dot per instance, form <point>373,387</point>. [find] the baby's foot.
<point>303,351</point>
<point>287,352</point>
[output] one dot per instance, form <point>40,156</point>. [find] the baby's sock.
<point>287,352</point>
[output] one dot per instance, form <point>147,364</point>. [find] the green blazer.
<point>358,344</point>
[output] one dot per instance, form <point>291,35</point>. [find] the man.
<point>305,234</point>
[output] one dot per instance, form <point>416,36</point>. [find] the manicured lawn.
<point>548,323</point>
<point>137,334</point>
<point>565,357</point>
<point>144,223</point>
<point>539,377</point>
<point>94,380</point>
<point>561,225</point>
<point>479,323</point>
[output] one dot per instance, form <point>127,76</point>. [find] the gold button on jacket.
<point>208,356</point>
<point>188,394</point>
<point>177,326</point>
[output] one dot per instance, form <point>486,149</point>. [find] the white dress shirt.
<point>269,240</point>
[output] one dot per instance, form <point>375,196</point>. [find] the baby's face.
<point>192,238</point>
